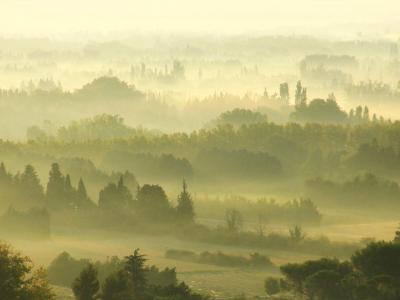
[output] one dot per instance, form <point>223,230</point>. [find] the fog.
<point>328,17</point>
<point>199,150</point>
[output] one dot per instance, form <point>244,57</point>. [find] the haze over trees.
<point>255,155</point>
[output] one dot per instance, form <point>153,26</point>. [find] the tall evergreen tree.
<point>185,208</point>
<point>135,266</point>
<point>68,186</point>
<point>69,193</point>
<point>86,286</point>
<point>82,198</point>
<point>55,192</point>
<point>117,286</point>
<point>29,186</point>
<point>82,189</point>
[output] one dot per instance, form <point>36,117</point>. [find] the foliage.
<point>135,269</point>
<point>163,167</point>
<point>361,192</point>
<point>185,209</point>
<point>234,220</point>
<point>371,274</point>
<point>239,117</point>
<point>115,197</point>
<point>272,286</point>
<point>151,200</point>
<point>64,269</point>
<point>137,281</point>
<point>253,261</point>
<point>17,278</point>
<point>296,234</point>
<point>319,111</point>
<point>86,286</point>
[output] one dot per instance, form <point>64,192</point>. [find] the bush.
<point>272,286</point>
<point>255,260</point>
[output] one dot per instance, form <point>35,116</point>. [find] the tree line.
<point>132,279</point>
<point>372,273</point>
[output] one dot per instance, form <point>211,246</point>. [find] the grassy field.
<point>217,281</point>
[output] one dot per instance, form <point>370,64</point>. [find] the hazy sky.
<point>28,17</point>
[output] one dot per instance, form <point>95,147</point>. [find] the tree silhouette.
<point>86,286</point>
<point>397,236</point>
<point>82,198</point>
<point>117,286</point>
<point>297,97</point>
<point>297,234</point>
<point>69,192</point>
<point>234,220</point>
<point>272,286</point>
<point>30,187</point>
<point>185,208</point>
<point>135,267</point>
<point>284,92</point>
<point>17,279</point>
<point>152,201</point>
<point>115,197</point>
<point>55,188</point>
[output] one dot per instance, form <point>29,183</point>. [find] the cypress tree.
<point>185,208</point>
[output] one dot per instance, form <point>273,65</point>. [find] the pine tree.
<point>135,266</point>
<point>30,187</point>
<point>55,192</point>
<point>86,286</point>
<point>68,186</point>
<point>185,208</point>
<point>82,194</point>
<point>69,192</point>
<point>82,198</point>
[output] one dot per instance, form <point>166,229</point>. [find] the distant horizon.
<point>26,18</point>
